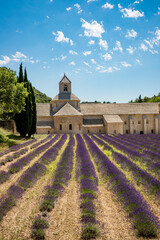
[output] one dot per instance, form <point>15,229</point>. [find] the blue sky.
<point>108,49</point>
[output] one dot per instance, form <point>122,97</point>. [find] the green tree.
<point>12,94</point>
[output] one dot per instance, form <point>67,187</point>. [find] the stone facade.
<point>65,114</point>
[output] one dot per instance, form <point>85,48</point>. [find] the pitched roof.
<point>65,79</point>
<point>72,97</point>
<point>67,110</point>
<point>112,119</point>
<point>43,109</point>
<point>119,108</point>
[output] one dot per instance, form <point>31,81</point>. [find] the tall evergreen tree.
<point>33,112</point>
<point>26,120</point>
<point>21,119</point>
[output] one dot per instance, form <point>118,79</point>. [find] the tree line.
<point>17,100</point>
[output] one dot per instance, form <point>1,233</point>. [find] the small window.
<point>48,132</point>
<point>99,130</point>
<point>70,126</point>
<point>132,122</point>
<point>134,131</point>
<point>127,131</point>
<point>147,122</point>
<point>115,131</point>
<point>60,127</point>
<point>65,88</point>
<point>141,132</point>
<point>152,131</point>
<point>79,126</point>
<point>139,122</point>
<point>125,122</point>
<point>88,131</point>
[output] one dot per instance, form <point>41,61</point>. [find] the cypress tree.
<point>33,112</point>
<point>26,120</point>
<point>21,119</point>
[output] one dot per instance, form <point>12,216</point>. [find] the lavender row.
<point>60,179</point>
<point>27,180</point>
<point>144,221</point>
<point>140,176</point>
<point>130,152</point>
<point>17,147</point>
<point>14,156</point>
<point>149,158</point>
<point>18,165</point>
<point>86,175</point>
<point>101,143</point>
<point>145,142</point>
<point>42,141</point>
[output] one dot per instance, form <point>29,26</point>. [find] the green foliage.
<point>12,93</point>
<point>146,99</point>
<point>39,225</point>
<point>90,231</point>
<point>41,97</point>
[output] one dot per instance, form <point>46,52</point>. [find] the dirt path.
<point>64,220</point>
<point>115,225</point>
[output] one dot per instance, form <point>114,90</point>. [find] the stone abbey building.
<point>65,114</point>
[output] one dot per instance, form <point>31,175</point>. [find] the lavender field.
<point>71,187</point>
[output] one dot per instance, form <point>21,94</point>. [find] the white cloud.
<point>78,7</point>
<point>47,17</point>
<point>153,51</point>
<point>125,64</point>
<point>73,52</point>
<point>72,63</point>
<point>61,58</point>
<point>131,50</point>
<point>149,43</point>
<point>117,28</point>
<point>5,60</point>
<point>119,6</point>
<point>91,42</point>
<point>109,69</point>
<point>87,64</point>
<point>107,56</point>
<point>91,1</point>
<point>103,44</point>
<point>143,47</point>
<point>138,61</point>
<point>130,13</point>
<point>93,29</point>
<point>156,40</point>
<point>93,61</point>
<point>158,11</point>
<point>108,5</point>
<point>61,38</point>
<point>118,47</point>
<point>87,53</point>
<point>51,0</point>
<point>19,55</point>
<point>131,34</point>
<point>68,9</point>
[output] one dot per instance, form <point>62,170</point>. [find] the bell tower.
<point>64,85</point>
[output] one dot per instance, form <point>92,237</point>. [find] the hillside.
<point>41,97</point>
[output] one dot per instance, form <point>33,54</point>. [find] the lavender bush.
<point>86,175</point>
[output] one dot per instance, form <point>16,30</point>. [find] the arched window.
<point>60,127</point>
<point>70,126</point>
<point>65,88</point>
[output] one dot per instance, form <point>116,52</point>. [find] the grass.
<point>8,139</point>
